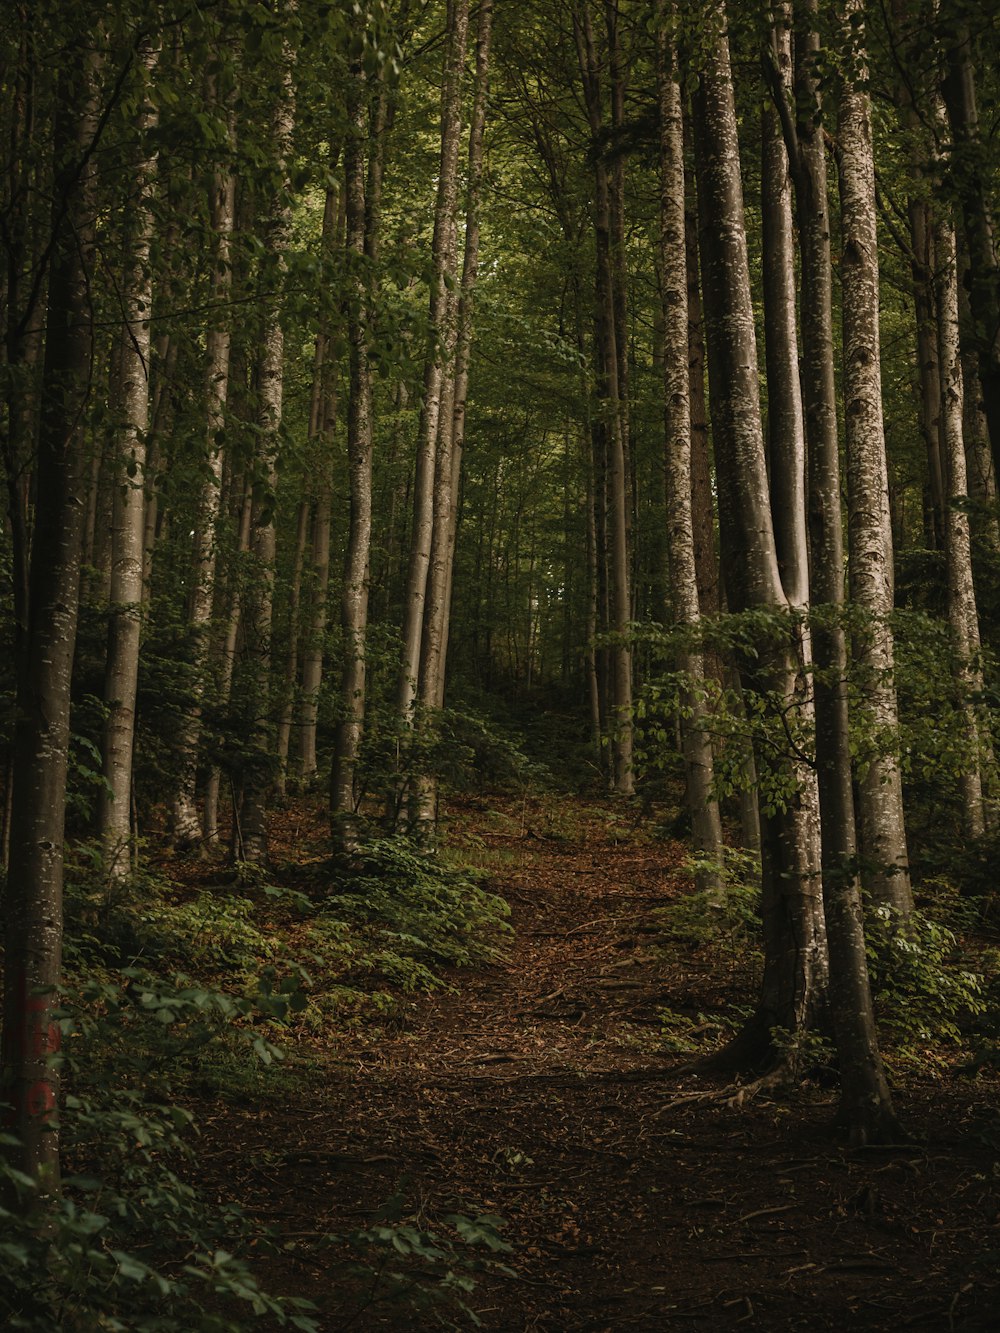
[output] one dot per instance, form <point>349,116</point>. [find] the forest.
<point>499,686</point>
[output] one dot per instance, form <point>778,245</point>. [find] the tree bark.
<point>360,427</point>
<point>696,742</point>
<point>979,459</point>
<point>451,435</point>
<point>786,445</point>
<point>258,783</point>
<point>963,615</point>
<point>294,650</point>
<point>128,524</point>
<point>323,420</point>
<point>33,898</point>
<point>442,315</point>
<point>866,1107</point>
<point>886,867</point>
<point>795,960</point>
<point>435,411</point>
<point>969,176</point>
<point>185,821</point>
<point>226,650</point>
<point>620,599</point>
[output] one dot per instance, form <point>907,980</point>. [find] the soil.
<point>635,1194</point>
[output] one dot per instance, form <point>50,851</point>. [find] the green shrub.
<point>923,995</point>
<point>421,913</point>
<point>700,917</point>
<point>132,1245</point>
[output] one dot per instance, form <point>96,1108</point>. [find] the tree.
<point>685,604</point>
<point>795,970</point>
<point>128,526</point>
<point>886,866</point>
<point>33,905</point>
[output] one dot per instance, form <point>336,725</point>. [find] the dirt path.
<point>538,1092</point>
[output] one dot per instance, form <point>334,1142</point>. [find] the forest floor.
<point>636,1195</point>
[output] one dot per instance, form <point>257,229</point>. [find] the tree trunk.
<point>979,459</point>
<point>795,960</point>
<point>323,420</point>
<point>293,652</point>
<point>866,1106</point>
<point>451,434</point>
<point>128,524</point>
<point>969,176</point>
<point>696,743</point>
<point>963,616</point>
<point>185,820</point>
<point>258,785</point>
<point>620,599</point>
<point>786,445</point>
<point>886,867</point>
<point>33,900</point>
<point>443,314</point>
<point>702,501</point>
<point>354,594</point>
<point>227,655</point>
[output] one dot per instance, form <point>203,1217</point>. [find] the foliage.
<point>132,1245</point>
<point>734,916</point>
<point>398,1262</point>
<point>433,914</point>
<point>924,996</point>
<point>756,716</point>
<point>371,928</point>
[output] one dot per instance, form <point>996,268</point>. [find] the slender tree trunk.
<point>928,369</point>
<point>795,959</point>
<point>963,616</point>
<point>702,502</point>
<point>969,174</point>
<point>979,459</point>
<point>443,316</point>
<point>227,656</point>
<point>323,421</point>
<point>360,426</point>
<point>786,444</point>
<point>622,776</point>
<point>463,343</point>
<point>451,432</point>
<point>866,1107</point>
<point>164,365</point>
<point>270,392</point>
<point>33,899</point>
<point>185,820</point>
<point>697,746</point>
<point>294,651</point>
<point>886,867</point>
<point>312,654</point>
<point>128,525</point>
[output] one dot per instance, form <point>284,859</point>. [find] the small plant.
<point>734,915</point>
<point>399,1263</point>
<point>423,910</point>
<point>684,1034</point>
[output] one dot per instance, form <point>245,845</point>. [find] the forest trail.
<point>540,1090</point>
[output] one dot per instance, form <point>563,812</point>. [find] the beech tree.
<point>685,600</point>
<point>796,968</point>
<point>33,902</point>
<point>886,865</point>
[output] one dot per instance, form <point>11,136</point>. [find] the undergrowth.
<point>935,999</point>
<point>171,992</point>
